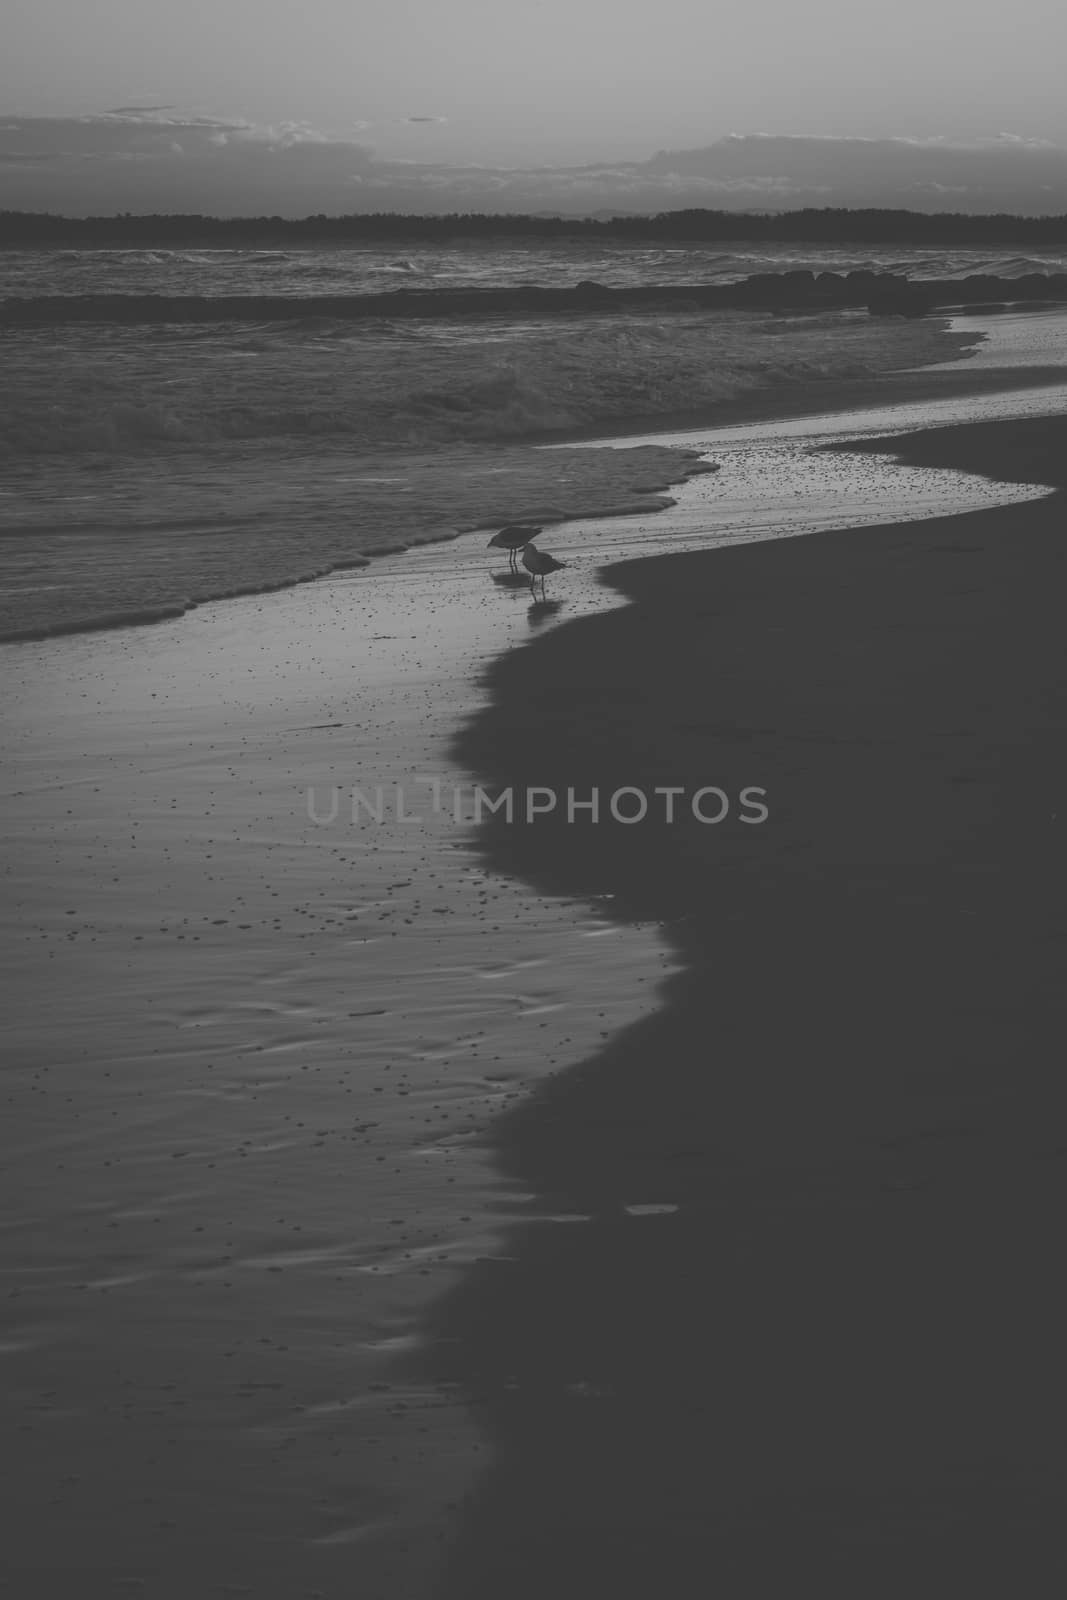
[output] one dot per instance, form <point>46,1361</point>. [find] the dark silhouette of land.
<point>887,293</point>
<point>832,225</point>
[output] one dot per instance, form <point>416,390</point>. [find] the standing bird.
<point>513,538</point>
<point>538,563</point>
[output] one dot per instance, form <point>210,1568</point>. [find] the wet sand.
<point>808,1332</point>
<point>252,1047</point>
<point>254,1050</point>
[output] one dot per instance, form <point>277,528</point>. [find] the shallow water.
<point>1010,340</point>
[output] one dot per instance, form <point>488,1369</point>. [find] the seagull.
<point>538,563</point>
<point>513,538</point>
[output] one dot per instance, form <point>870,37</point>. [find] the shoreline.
<point>829,397</point>
<point>801,1326</point>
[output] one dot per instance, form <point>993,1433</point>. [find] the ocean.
<point>146,469</point>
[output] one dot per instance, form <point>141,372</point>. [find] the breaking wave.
<point>116,391</point>
<point>369,269</point>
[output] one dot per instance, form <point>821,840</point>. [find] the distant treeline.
<point>41,230</point>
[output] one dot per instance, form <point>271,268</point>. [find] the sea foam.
<point>118,389</point>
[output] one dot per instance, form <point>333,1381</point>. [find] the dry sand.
<point>252,1058</point>
<point>810,1335</point>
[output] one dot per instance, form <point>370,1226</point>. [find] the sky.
<point>380,104</point>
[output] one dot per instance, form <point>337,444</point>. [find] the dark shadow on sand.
<point>542,611</point>
<point>837,1366</point>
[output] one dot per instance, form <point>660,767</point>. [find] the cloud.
<point>136,111</point>
<point>425,119</point>
<point>156,158</point>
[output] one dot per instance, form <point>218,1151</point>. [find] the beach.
<point>808,1328</point>
<point>413,1207</point>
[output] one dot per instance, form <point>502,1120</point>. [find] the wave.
<point>209,271</point>
<point>501,406</point>
<point>386,386</point>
